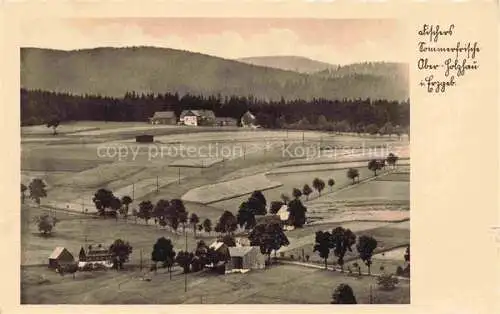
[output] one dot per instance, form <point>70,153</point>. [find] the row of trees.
<point>39,107</point>
<point>341,240</point>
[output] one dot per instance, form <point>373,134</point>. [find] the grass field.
<point>72,230</point>
<point>387,236</point>
<point>279,284</point>
<point>230,189</point>
<point>74,170</point>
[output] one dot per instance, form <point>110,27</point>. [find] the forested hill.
<point>115,71</point>
<point>290,63</point>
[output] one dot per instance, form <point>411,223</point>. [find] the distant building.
<point>60,257</point>
<point>226,121</point>
<point>245,258</point>
<point>95,254</point>
<point>164,117</point>
<point>248,120</point>
<point>144,138</point>
<point>198,117</point>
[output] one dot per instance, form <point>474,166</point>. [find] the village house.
<point>60,257</point>
<point>197,118</point>
<point>226,121</point>
<point>164,117</point>
<point>284,216</point>
<point>245,258</point>
<point>248,120</point>
<point>95,254</point>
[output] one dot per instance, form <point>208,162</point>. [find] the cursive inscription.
<point>443,60</point>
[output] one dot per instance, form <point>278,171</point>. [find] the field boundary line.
<point>336,269</point>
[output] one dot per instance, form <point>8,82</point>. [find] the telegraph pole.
<point>179,175</point>
<point>371,295</point>
<point>185,273</point>
<point>157,185</point>
<point>141,261</point>
<point>133,191</point>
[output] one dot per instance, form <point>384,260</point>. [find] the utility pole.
<point>302,137</point>
<point>83,206</point>
<point>371,296</point>
<point>185,273</point>
<point>179,176</point>
<point>133,191</point>
<point>141,261</point>
<point>157,185</point>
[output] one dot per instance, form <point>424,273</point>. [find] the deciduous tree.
<point>306,190</point>
<point>120,252</point>
<point>37,190</point>
<point>322,245</point>
<point>318,185</point>
<point>366,246</point>
<point>352,174</point>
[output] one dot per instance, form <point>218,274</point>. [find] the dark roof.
<point>97,250</point>
<point>164,115</point>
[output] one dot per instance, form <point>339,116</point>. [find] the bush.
<point>387,282</point>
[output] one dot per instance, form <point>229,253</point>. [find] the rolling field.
<point>279,284</point>
<point>230,189</point>
<point>72,230</point>
<point>296,180</point>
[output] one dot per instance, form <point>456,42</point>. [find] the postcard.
<point>251,153</point>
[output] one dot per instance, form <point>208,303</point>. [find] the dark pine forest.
<point>355,115</point>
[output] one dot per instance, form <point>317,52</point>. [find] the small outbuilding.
<point>144,138</point>
<point>60,257</point>
<point>245,258</point>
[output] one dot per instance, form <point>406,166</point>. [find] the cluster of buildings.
<point>241,258</point>
<point>200,118</point>
<point>97,254</point>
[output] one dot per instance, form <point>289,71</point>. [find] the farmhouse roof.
<point>240,251</point>
<point>249,115</point>
<point>216,245</point>
<point>97,249</point>
<point>57,252</point>
<point>164,115</point>
<point>199,113</point>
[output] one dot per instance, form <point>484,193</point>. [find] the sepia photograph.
<point>214,161</point>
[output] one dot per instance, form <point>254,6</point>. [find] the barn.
<point>144,138</point>
<point>164,117</point>
<point>60,257</point>
<point>245,258</point>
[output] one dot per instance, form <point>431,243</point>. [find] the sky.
<point>334,41</point>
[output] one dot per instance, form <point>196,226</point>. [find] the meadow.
<point>73,170</point>
<point>278,284</point>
